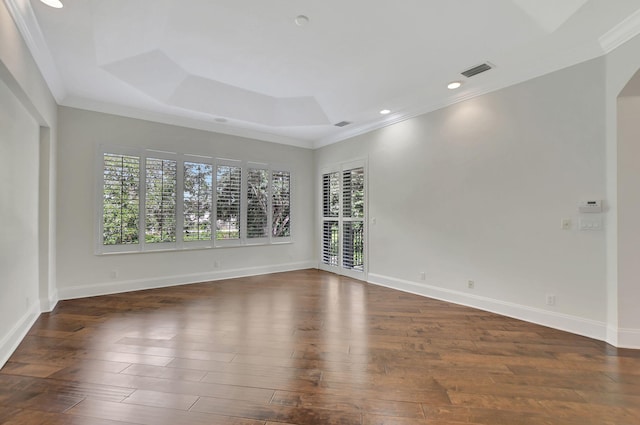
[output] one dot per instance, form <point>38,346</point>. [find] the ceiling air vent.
<point>476,70</point>
<point>342,123</point>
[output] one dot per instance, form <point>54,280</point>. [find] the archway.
<point>628,211</point>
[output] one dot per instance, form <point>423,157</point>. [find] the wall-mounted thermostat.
<point>590,206</point>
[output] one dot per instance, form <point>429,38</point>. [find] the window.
<point>160,200</point>
<point>331,194</point>
<point>257,203</point>
<point>120,199</point>
<point>151,200</point>
<point>343,220</point>
<point>280,204</point>
<point>198,201</point>
<point>330,242</point>
<point>228,192</point>
<point>353,218</point>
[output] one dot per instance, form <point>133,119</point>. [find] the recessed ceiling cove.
<point>156,75</point>
<point>248,68</point>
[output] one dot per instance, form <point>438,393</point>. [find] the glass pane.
<point>352,245</point>
<point>331,194</point>
<point>121,204</point>
<point>257,203</point>
<point>330,240</point>
<point>160,215</point>
<point>197,201</point>
<point>228,190</point>
<point>353,193</point>
<point>281,204</point>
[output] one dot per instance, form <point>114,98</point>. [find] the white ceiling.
<point>244,67</point>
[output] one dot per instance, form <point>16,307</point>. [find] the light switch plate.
<point>591,223</point>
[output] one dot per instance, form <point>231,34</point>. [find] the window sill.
<point>192,248</point>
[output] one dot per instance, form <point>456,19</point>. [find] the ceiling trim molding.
<point>530,73</point>
<point>403,116</point>
<point>180,121</point>
<point>27,23</point>
<point>621,33</point>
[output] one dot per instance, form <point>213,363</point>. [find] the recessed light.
<point>301,20</point>
<point>454,85</point>
<point>385,111</point>
<point>53,3</point>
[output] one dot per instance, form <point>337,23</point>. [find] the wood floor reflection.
<point>307,348</point>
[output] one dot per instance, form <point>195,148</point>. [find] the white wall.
<point>27,192</point>
<point>18,213</point>
<point>477,191</point>
<point>82,273</point>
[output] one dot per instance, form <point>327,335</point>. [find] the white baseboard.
<point>564,322</point>
<point>627,338</point>
<point>14,337</point>
<point>161,282</point>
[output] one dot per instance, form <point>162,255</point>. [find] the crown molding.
<point>27,23</point>
<point>182,121</point>
<point>621,33</point>
<point>515,76</point>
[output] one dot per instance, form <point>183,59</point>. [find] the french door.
<point>344,220</point>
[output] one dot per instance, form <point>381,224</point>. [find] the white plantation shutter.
<point>160,200</point>
<point>156,200</point>
<point>228,202</point>
<point>197,201</point>
<point>330,194</point>
<point>353,218</point>
<point>257,203</point>
<point>353,193</point>
<point>330,242</point>
<point>353,245</point>
<point>280,204</point>
<point>120,199</point>
<point>330,212</point>
<point>343,220</point>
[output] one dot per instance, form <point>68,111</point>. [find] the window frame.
<point>180,244</point>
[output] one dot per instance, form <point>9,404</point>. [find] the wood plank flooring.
<point>306,348</point>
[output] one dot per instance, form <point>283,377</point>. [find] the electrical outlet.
<point>471,284</point>
<point>216,264</point>
<point>566,224</point>
<point>114,274</point>
<point>551,300</point>
<point>423,276</point>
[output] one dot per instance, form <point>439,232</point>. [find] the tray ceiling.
<point>247,68</point>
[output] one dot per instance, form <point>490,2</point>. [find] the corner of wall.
<point>627,338</point>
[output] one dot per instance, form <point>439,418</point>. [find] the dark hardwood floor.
<point>307,347</point>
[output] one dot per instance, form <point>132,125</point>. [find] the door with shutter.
<point>344,220</point>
